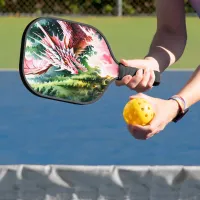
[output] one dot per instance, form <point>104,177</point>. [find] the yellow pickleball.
<point>138,112</point>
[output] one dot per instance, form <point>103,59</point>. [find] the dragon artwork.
<point>67,60</point>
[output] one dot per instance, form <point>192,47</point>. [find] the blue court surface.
<point>35,130</point>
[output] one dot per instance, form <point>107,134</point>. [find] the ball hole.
<point>146,115</point>
<point>142,109</point>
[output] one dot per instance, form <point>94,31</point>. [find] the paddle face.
<point>66,61</point>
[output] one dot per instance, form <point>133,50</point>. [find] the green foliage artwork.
<point>67,61</point>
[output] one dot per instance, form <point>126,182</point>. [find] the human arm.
<point>167,46</point>
<point>191,91</point>
<point>170,38</point>
<point>167,110</point>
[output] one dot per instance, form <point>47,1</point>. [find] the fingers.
<point>125,80</point>
<point>133,63</point>
<point>146,132</point>
<point>142,132</point>
<point>156,131</point>
<point>133,83</point>
<point>137,134</point>
<point>138,95</point>
<point>124,62</point>
<point>147,81</point>
<point>146,77</point>
<point>151,79</point>
<point>142,81</point>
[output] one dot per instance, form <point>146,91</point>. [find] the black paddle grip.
<point>123,71</point>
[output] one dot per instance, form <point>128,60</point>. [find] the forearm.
<point>191,91</point>
<point>167,47</point>
<point>170,38</point>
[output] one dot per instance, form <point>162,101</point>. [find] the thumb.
<point>155,123</point>
<point>138,95</point>
<point>154,127</point>
<point>124,62</point>
<point>134,63</point>
<point>151,100</point>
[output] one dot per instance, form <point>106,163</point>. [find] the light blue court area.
<point>34,130</point>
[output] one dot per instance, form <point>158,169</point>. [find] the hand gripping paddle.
<point>68,61</point>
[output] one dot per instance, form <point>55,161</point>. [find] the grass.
<point>129,38</point>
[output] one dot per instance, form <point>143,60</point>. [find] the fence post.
<point>119,7</point>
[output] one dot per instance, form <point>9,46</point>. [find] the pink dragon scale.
<point>65,54</point>
<point>60,54</point>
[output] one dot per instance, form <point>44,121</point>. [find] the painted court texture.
<point>34,130</point>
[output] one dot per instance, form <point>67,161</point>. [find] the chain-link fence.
<point>81,7</point>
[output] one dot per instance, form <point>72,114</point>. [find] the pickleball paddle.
<point>68,61</point>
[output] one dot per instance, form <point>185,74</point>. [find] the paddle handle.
<point>123,71</point>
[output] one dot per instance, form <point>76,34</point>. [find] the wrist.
<point>163,56</point>
<point>154,63</point>
<point>182,107</point>
<point>175,107</point>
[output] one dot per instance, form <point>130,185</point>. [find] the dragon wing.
<point>35,67</point>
